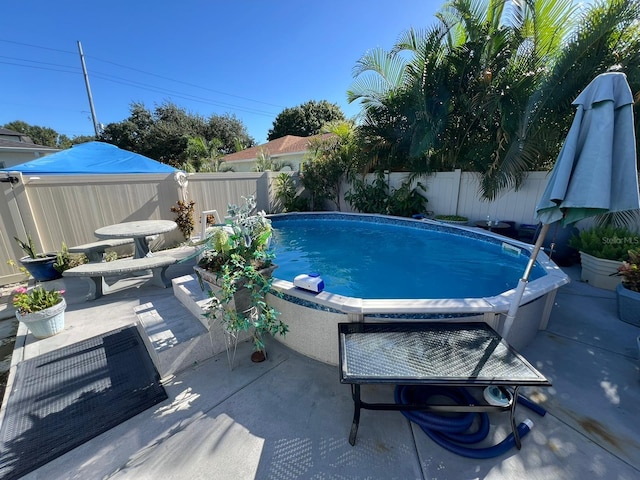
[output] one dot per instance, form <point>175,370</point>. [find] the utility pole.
<point>96,125</point>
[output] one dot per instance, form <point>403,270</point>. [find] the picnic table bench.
<point>431,353</point>
<point>95,272</point>
<point>95,250</point>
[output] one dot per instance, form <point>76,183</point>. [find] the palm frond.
<point>377,73</point>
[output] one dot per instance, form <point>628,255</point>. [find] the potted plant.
<point>628,291</point>
<point>39,265</point>
<point>455,219</point>
<point>237,266</point>
<point>42,311</point>
<point>602,251</point>
<point>66,260</point>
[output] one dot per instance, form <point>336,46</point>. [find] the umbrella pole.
<point>522,284</point>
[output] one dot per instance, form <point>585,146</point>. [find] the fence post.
<point>455,191</point>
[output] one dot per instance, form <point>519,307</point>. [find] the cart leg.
<point>355,394</point>
<point>512,418</point>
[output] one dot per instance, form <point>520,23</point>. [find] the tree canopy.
<point>163,134</point>
<point>305,120</point>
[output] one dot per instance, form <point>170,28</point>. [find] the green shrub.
<point>65,260</point>
<point>287,194</point>
<point>368,197</point>
<point>609,243</point>
<point>406,201</point>
<point>377,197</point>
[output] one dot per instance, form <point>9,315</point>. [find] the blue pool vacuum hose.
<point>452,431</point>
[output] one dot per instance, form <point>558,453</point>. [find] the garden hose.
<point>452,431</point>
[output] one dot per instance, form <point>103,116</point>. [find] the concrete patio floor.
<point>289,417</point>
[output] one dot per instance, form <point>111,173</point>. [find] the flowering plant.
<point>36,299</point>
<point>630,271</point>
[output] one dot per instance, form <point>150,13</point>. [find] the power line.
<point>139,71</point>
<point>186,96</point>
<point>139,85</point>
<point>39,68</point>
<point>37,46</point>
<point>40,63</point>
<point>185,83</point>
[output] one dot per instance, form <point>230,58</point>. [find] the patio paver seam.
<point>602,349</point>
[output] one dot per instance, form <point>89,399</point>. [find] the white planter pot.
<point>599,272</point>
<point>628,305</point>
<point>45,323</point>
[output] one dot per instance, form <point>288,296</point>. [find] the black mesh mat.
<point>63,398</point>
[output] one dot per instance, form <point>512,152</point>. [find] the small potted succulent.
<point>628,291</point>
<point>236,265</point>
<point>41,310</point>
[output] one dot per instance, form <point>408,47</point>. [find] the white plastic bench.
<point>95,250</point>
<point>95,272</point>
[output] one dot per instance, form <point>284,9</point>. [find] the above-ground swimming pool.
<point>389,260</point>
<point>378,267</point>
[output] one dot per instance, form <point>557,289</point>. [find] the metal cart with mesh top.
<point>431,353</point>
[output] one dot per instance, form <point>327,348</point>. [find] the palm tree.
<point>605,36</point>
<point>331,159</point>
<point>489,87</point>
<point>264,163</point>
<point>205,156</point>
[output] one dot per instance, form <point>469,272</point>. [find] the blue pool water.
<point>390,261</point>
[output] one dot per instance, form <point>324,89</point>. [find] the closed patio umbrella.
<point>596,170</point>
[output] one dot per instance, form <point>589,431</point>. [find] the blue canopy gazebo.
<point>91,158</point>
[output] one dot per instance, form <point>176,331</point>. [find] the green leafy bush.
<point>65,260</point>
<point>286,193</point>
<point>368,198</point>
<point>377,197</point>
<point>609,243</point>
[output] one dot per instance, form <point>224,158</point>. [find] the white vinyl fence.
<point>69,208</point>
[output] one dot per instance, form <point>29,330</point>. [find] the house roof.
<point>12,140</point>
<point>288,144</point>
<point>13,133</point>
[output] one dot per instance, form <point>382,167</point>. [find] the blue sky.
<point>243,57</point>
